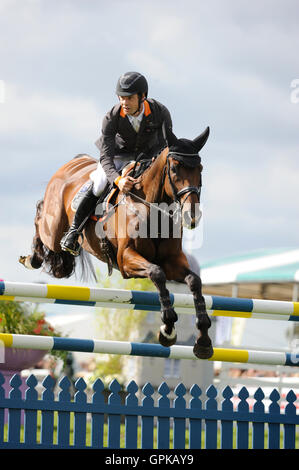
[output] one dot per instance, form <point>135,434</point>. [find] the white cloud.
<point>167,30</point>
<point>40,113</point>
<point>150,64</point>
<point>258,202</point>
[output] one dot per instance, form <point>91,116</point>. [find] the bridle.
<point>187,190</point>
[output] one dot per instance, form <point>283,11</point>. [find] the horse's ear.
<point>200,141</point>
<point>168,135</point>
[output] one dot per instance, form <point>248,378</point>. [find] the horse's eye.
<point>174,169</point>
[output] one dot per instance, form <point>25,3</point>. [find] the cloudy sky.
<point>229,64</point>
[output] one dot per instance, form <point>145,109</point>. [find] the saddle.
<point>106,206</point>
<point>106,202</point>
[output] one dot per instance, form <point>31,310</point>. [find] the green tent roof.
<point>278,265</point>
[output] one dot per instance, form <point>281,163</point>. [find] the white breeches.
<point>98,176</point>
<point>99,179</point>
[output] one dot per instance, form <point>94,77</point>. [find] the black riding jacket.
<point>118,136</point>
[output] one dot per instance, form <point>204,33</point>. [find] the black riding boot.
<point>69,242</point>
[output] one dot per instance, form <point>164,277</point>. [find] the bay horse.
<point>173,176</point>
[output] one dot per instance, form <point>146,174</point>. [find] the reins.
<point>176,194</point>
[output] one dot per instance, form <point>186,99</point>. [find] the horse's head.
<point>184,175</point>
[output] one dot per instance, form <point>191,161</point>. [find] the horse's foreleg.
<point>134,265</point>
<point>177,269</point>
<point>203,348</point>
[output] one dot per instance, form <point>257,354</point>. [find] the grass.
<point>122,434</point>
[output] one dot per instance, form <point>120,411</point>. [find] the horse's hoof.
<point>22,260</point>
<point>203,352</point>
<point>165,339</point>
<point>25,261</point>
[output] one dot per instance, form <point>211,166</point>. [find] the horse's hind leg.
<point>134,265</point>
<point>57,264</point>
<point>35,260</point>
<point>203,348</point>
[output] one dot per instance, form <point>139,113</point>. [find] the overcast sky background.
<point>228,64</point>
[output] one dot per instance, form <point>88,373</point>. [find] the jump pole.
<point>154,308</point>
<point>140,300</point>
<point>49,343</point>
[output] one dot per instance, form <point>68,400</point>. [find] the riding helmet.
<point>131,83</point>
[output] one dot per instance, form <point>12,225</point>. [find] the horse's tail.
<point>60,264</point>
<point>64,264</point>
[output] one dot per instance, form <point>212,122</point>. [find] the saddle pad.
<point>79,195</point>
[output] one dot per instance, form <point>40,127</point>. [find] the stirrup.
<point>76,248</point>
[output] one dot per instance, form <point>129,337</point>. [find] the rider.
<point>131,127</point>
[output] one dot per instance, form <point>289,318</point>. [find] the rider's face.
<point>130,104</point>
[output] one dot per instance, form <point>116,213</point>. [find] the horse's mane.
<point>149,168</point>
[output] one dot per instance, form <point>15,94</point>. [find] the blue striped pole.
<point>154,308</point>
<point>49,343</point>
<point>130,299</point>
